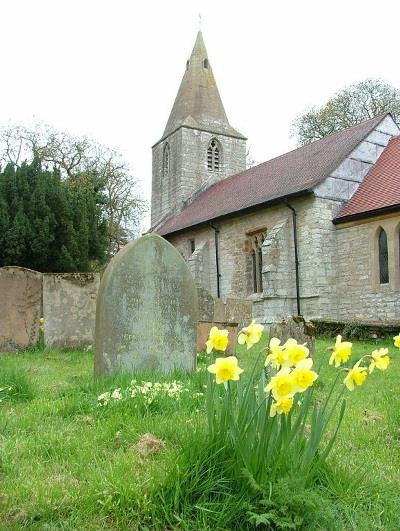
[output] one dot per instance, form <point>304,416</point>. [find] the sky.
<point>110,70</point>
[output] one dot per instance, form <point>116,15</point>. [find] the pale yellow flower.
<point>355,376</point>
<point>283,405</point>
<point>303,376</point>
<point>225,369</point>
<point>251,334</point>
<point>295,352</point>
<point>277,356</point>
<point>42,320</point>
<point>380,360</point>
<point>341,352</point>
<point>397,341</point>
<point>282,385</point>
<point>218,340</point>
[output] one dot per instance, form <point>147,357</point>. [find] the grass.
<point>66,463</point>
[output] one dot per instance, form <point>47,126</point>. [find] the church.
<point>313,232</point>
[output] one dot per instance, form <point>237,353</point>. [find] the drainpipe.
<point>296,255</point>
<point>216,232</point>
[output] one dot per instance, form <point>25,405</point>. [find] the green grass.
<point>66,463</point>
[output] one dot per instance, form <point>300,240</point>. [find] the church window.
<point>205,63</point>
<point>187,64</point>
<point>383,257</point>
<point>214,156</point>
<point>257,261</point>
<point>192,246</point>
<point>166,160</point>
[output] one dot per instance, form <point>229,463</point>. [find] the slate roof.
<point>380,188</point>
<point>293,173</point>
<point>198,103</point>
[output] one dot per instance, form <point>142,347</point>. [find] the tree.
<point>87,164</point>
<point>348,107</point>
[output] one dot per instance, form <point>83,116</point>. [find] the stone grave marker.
<point>147,310</point>
<point>297,328</point>
<point>20,308</point>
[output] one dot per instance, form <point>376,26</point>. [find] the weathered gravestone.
<point>147,310</point>
<point>297,328</point>
<point>20,307</point>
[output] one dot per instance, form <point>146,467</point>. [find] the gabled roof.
<point>198,103</point>
<point>380,189</point>
<point>292,173</point>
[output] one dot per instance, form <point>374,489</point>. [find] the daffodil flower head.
<point>355,376</point>
<point>295,352</point>
<point>341,352</point>
<point>217,340</point>
<point>380,360</point>
<point>225,369</point>
<point>282,385</point>
<point>283,405</point>
<point>250,335</point>
<point>277,355</point>
<point>303,376</point>
<point>396,340</point>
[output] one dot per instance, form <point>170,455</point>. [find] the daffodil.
<point>251,334</point>
<point>295,352</point>
<point>380,360</point>
<point>341,352</point>
<point>225,369</point>
<point>303,376</point>
<point>283,405</point>
<point>282,385</point>
<point>277,355</point>
<point>397,341</point>
<point>218,340</point>
<point>355,376</point>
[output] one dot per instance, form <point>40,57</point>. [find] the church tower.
<point>199,146</point>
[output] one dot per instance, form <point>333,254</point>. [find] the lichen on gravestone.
<point>147,310</point>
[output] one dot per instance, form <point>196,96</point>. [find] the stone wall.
<point>69,308</point>
<point>20,307</point>
<point>360,295</point>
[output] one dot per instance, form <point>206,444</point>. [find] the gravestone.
<point>297,328</point>
<point>20,308</point>
<point>147,310</point>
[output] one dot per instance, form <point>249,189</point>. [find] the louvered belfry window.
<point>383,257</point>
<point>214,156</point>
<point>166,161</point>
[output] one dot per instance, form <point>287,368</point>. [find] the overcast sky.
<point>110,70</point>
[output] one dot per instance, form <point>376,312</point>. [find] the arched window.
<point>214,155</point>
<point>205,63</point>
<point>166,160</point>
<point>257,261</point>
<point>383,257</point>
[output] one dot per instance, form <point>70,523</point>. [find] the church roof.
<point>380,189</point>
<point>198,103</point>
<point>290,174</point>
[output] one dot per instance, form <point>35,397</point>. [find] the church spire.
<point>198,103</point>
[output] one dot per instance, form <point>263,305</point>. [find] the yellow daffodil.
<point>218,340</point>
<point>277,356</point>
<point>251,334</point>
<point>283,405</point>
<point>42,320</point>
<point>380,360</point>
<point>355,376</point>
<point>303,376</point>
<point>295,352</point>
<point>282,385</point>
<point>396,340</point>
<point>225,369</point>
<point>341,352</point>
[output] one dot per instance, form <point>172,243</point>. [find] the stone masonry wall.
<point>188,167</point>
<point>317,256</point>
<point>69,308</point>
<point>360,295</point>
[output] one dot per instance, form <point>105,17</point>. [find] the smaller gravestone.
<point>297,328</point>
<point>147,310</point>
<point>20,307</point>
